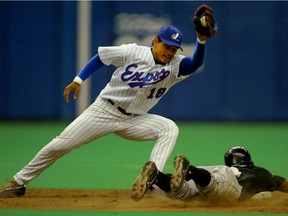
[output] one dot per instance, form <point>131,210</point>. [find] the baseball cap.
<point>170,35</point>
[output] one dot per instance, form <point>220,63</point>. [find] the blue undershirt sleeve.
<point>91,67</point>
<point>190,64</point>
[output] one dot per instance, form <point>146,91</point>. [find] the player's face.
<point>163,52</point>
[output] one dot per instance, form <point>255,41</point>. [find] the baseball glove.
<point>204,21</point>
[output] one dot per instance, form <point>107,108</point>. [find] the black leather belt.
<point>119,108</point>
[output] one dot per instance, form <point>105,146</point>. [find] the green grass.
<point>113,163</point>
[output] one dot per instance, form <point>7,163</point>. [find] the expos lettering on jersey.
<point>139,79</point>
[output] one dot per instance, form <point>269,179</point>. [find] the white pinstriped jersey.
<point>138,83</point>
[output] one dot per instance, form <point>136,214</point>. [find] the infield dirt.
<point>119,200</point>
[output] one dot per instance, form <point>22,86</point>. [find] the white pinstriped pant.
<point>99,119</point>
<point>223,184</point>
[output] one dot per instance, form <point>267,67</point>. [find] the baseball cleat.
<point>144,181</point>
<point>181,166</point>
<point>12,189</point>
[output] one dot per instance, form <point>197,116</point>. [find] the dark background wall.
<point>244,77</point>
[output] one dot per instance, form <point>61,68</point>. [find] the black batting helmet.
<point>237,156</point>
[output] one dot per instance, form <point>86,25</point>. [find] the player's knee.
<point>52,151</point>
<point>56,148</point>
<point>175,129</point>
<point>172,129</point>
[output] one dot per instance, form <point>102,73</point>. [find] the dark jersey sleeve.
<point>190,64</point>
<point>256,179</point>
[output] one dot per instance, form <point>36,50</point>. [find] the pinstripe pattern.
<point>134,99</point>
<point>152,127</point>
<point>99,119</point>
<point>136,86</point>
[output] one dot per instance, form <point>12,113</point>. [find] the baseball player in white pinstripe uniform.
<point>143,76</point>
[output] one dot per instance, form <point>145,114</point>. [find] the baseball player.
<point>239,179</point>
<point>143,76</point>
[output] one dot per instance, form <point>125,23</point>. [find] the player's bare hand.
<point>74,87</point>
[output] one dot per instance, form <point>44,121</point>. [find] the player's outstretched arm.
<point>74,87</point>
<point>205,27</point>
<point>91,67</point>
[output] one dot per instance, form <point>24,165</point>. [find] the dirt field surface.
<point>119,200</point>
